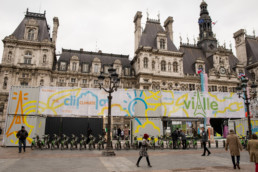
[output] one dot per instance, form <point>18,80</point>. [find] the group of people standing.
<point>175,136</point>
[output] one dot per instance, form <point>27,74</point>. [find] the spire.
<point>205,22</point>
<point>206,36</point>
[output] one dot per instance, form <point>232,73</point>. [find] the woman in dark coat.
<point>143,150</point>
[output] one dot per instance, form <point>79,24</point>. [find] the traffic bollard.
<point>217,144</point>
<point>224,143</point>
<point>209,142</point>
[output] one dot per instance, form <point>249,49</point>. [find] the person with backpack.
<point>143,150</point>
<point>22,135</point>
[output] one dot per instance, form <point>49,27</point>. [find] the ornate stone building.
<point>29,59</point>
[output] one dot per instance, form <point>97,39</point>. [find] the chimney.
<point>138,28</point>
<point>241,53</point>
<point>55,28</point>
<point>169,28</point>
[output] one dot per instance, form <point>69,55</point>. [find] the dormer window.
<point>62,66</point>
<point>96,68</point>
<point>74,66</point>
<point>200,67</point>
<point>162,44</point>
<point>145,62</point>
<point>126,71</point>
<point>31,33</point>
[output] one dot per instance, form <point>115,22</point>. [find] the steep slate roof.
<point>87,57</point>
<point>251,50</point>
<point>149,34</point>
<point>43,32</point>
<point>191,54</point>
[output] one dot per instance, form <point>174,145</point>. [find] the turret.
<point>168,24</point>
<point>55,29</point>
<point>137,32</point>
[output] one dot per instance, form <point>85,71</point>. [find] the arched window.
<point>145,62</point>
<point>9,57</point>
<point>163,65</point>
<point>41,83</point>
<point>169,67</point>
<point>44,59</point>
<point>162,44</point>
<point>153,64</point>
<point>31,34</point>
<point>175,67</point>
<point>74,66</point>
<point>5,83</point>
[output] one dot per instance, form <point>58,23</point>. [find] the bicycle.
<point>83,142</point>
<point>101,142</point>
<point>170,143</point>
<point>160,142</point>
<point>47,142</point>
<point>127,143</point>
<point>64,142</point>
<point>194,143</point>
<point>73,142</point>
<point>55,142</point>
<point>152,142</point>
<point>92,142</point>
<point>179,143</point>
<point>135,144</point>
<point>38,143</point>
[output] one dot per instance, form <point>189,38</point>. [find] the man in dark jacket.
<point>174,138</point>
<point>204,141</point>
<point>183,137</point>
<point>22,135</point>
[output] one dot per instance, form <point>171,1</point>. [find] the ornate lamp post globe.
<point>242,92</point>
<point>112,76</point>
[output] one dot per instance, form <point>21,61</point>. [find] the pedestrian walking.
<point>174,138</point>
<point>234,146</point>
<point>143,150</point>
<point>183,137</point>
<point>252,149</point>
<point>22,135</point>
<point>204,142</point>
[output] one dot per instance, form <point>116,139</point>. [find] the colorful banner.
<point>61,101</point>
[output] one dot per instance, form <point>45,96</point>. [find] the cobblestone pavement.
<point>85,160</point>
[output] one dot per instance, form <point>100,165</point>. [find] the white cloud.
<point>110,23</point>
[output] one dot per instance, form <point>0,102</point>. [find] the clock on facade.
<point>222,70</point>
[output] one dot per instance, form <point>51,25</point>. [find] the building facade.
<point>29,59</point>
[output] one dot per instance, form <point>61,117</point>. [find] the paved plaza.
<point>93,161</point>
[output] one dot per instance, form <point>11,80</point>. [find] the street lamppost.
<point>113,85</point>
<point>242,89</point>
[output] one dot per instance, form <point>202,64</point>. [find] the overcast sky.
<point>107,25</point>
